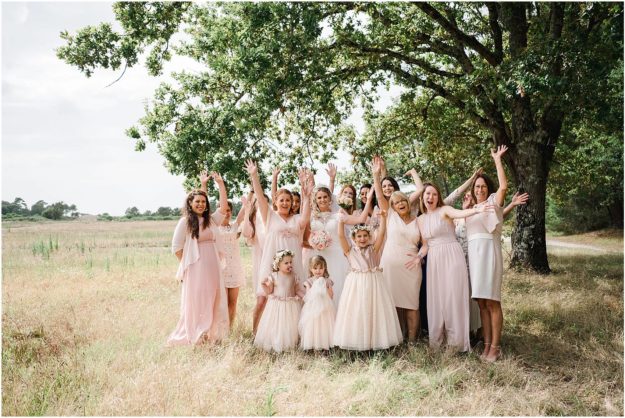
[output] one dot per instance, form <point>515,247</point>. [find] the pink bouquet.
<point>319,240</point>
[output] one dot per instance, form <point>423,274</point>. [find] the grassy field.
<point>87,308</point>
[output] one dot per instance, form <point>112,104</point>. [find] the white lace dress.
<point>333,254</point>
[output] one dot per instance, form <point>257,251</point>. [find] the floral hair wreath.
<point>360,227</point>
<point>278,258</point>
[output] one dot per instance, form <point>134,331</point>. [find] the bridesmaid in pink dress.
<point>283,229</point>
<point>203,302</point>
<point>448,281</point>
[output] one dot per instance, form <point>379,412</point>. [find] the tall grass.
<point>84,330</point>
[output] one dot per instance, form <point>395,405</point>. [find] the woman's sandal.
<point>496,357</point>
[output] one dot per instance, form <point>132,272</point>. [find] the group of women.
<point>450,256</point>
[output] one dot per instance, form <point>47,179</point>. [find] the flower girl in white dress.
<point>316,323</point>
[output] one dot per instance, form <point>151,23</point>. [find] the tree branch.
<point>438,89</point>
<point>458,35</point>
<point>493,20</point>
<point>405,58</point>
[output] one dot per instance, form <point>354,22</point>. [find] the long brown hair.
<point>193,225</point>
<point>439,203</point>
<point>252,217</point>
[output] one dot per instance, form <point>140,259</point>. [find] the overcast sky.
<point>62,133</point>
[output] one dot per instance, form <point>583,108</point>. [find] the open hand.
<point>331,170</point>
<point>496,154</point>
<point>518,199</point>
<point>204,177</point>
<point>251,168</point>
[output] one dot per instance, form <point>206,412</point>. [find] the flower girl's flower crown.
<point>360,227</point>
<point>278,258</point>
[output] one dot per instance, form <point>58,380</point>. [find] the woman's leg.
<point>486,326</point>
<point>258,311</point>
<point>496,324</point>
<point>413,324</point>
<point>233,295</point>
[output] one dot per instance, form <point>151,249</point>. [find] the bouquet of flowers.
<point>345,202</point>
<point>319,240</point>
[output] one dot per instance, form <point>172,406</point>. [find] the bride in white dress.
<point>324,237</point>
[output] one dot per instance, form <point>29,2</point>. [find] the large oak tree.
<point>280,78</point>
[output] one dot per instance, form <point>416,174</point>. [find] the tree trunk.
<point>529,161</point>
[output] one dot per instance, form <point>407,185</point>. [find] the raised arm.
<point>263,205</point>
<point>274,183</point>
<point>331,170</point>
<point>362,218</point>
<point>247,230</point>
<point>414,196</point>
<point>223,194</point>
<point>453,213</point>
<point>306,184</point>
<point>376,169</point>
<point>517,200</point>
<point>342,238</point>
<point>500,196</point>
<point>457,194</point>
<point>379,240</point>
<point>204,177</point>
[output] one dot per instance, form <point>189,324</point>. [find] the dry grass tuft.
<point>84,327</point>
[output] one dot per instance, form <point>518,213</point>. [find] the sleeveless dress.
<point>233,267</point>
<point>337,264</point>
<point>401,239</point>
<point>475,321</point>
<point>316,322</point>
<point>366,318</point>
<point>255,241</point>
<point>280,235</point>
<point>485,258</point>
<point>448,283</point>
<point>277,329</point>
<point>203,302</point>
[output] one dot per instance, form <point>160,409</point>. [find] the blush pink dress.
<point>448,283</point>
<point>401,239</point>
<point>366,318</point>
<point>280,234</point>
<point>277,329</point>
<point>203,302</point>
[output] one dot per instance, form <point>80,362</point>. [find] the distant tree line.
<point>162,213</point>
<point>19,209</point>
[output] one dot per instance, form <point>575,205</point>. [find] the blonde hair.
<point>401,195</point>
<point>277,259</point>
<point>316,261</point>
